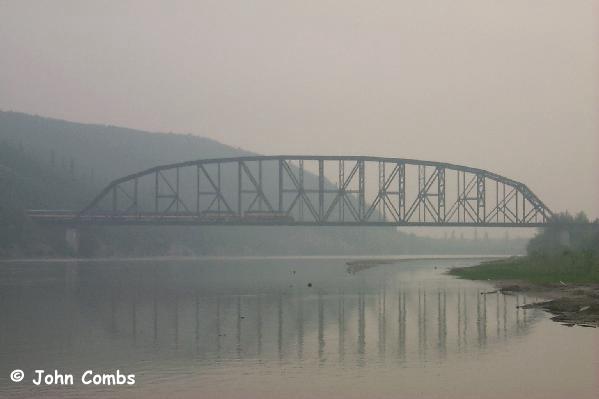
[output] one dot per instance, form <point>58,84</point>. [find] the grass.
<point>569,267</point>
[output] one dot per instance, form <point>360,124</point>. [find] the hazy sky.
<point>511,86</point>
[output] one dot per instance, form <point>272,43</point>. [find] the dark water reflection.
<point>167,321</point>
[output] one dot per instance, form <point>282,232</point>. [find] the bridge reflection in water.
<point>426,324</point>
<point>376,317</point>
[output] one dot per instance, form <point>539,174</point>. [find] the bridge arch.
<point>317,190</point>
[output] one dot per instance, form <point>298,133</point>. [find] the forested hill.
<point>55,164</point>
<point>96,154</point>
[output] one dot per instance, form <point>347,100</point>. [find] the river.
<point>283,328</point>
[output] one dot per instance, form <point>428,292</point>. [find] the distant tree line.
<point>566,233</point>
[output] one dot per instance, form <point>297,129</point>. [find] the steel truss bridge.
<point>310,190</point>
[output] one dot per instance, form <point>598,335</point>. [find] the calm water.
<point>253,328</point>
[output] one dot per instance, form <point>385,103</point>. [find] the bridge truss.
<point>312,190</point>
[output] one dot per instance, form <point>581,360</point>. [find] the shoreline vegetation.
<point>562,265</point>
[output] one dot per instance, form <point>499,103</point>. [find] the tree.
<point>565,233</point>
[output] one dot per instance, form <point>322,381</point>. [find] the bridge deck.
<point>74,219</point>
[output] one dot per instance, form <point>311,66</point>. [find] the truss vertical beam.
<point>218,187</point>
<point>464,199</point>
<point>459,197</point>
<point>497,201</point>
<point>177,190</point>
<point>516,210</point>
<point>281,188</point>
<point>114,199</point>
<point>320,190</point>
<point>441,194</point>
<point>402,191</point>
<point>382,191</point>
<point>480,198</point>
<point>198,190</point>
<point>260,188</point>
<point>421,193</point>
<point>239,190</point>
<point>361,193</point>
<point>301,190</point>
<point>136,195</point>
<point>156,192</point>
<point>523,208</point>
<point>341,191</point>
<point>503,202</point>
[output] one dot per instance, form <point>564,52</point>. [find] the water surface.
<point>283,327</point>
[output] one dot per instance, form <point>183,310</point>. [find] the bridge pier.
<point>72,238</point>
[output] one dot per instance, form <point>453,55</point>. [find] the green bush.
<point>567,251</point>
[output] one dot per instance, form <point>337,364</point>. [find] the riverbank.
<point>569,282</point>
